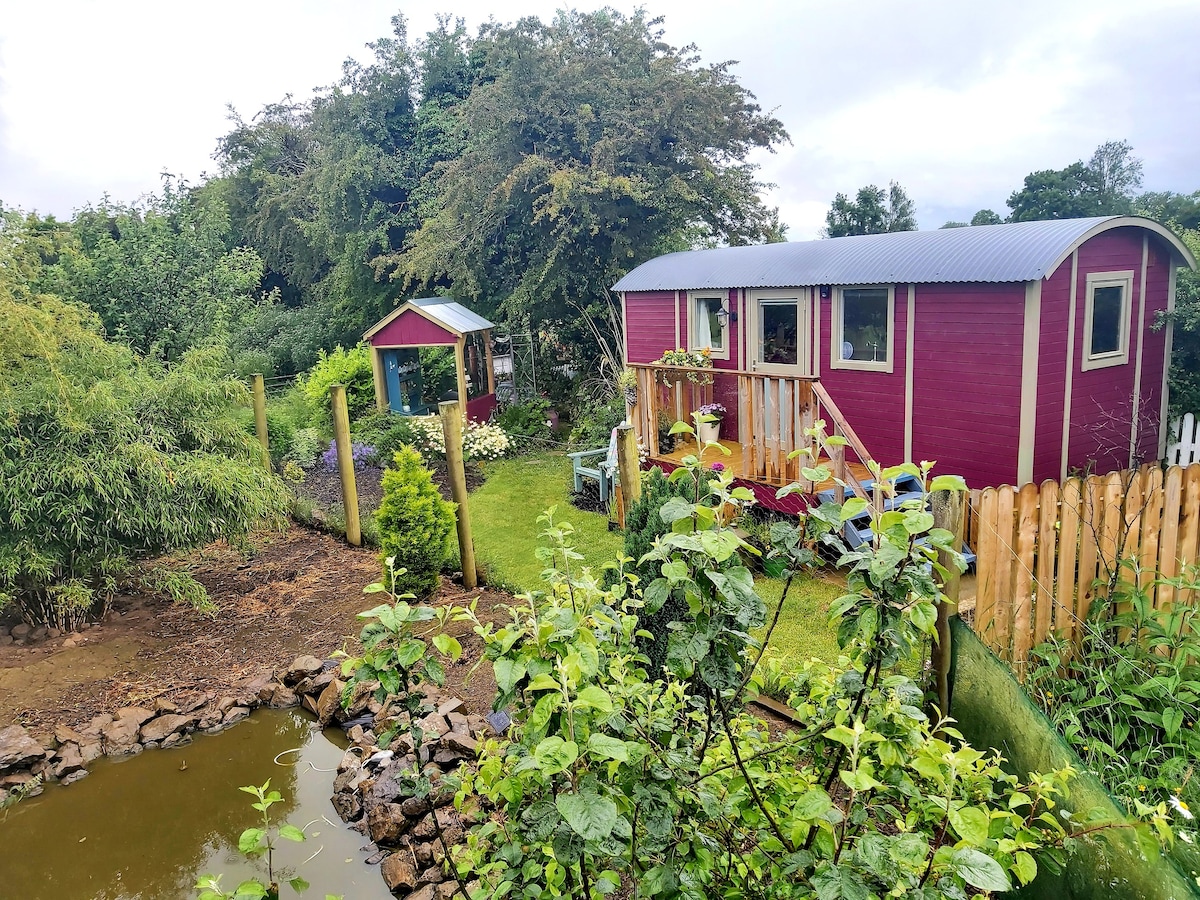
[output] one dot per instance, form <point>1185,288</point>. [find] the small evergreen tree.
<point>414,524</point>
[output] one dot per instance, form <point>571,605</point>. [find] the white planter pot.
<point>710,431</point>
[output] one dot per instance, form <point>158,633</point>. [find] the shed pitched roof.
<point>449,314</point>
<point>1020,251</point>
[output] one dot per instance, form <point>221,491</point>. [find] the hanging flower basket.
<point>685,359</point>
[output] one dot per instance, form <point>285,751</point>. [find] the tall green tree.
<point>1184,380</point>
<point>872,211</point>
<point>588,146</point>
<point>1103,186</point>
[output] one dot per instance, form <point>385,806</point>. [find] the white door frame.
<point>803,298</point>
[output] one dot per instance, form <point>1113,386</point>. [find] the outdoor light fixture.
<point>725,316</point>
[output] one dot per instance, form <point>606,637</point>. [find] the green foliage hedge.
<point>341,366</point>
<point>414,525</point>
<point>107,458</point>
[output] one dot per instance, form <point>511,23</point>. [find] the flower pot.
<point>710,431</point>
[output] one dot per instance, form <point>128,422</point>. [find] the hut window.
<point>1106,319</point>
<point>863,328</point>
<point>708,324</point>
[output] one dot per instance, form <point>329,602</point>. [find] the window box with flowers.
<point>685,359</point>
<point>711,416</point>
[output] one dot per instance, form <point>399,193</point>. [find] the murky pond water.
<point>146,828</point>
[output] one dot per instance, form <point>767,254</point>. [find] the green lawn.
<point>504,515</point>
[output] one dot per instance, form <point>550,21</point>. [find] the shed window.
<point>1106,319</point>
<point>708,326</point>
<point>863,329</point>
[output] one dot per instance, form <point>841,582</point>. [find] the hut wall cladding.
<point>873,401</point>
<point>1043,548</point>
<point>967,379</point>
<point>1102,399</point>
<point>411,329</point>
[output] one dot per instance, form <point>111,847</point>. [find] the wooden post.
<point>628,468</point>
<point>260,418</point>
<point>452,430</point>
<point>345,457</point>
<point>491,365</point>
<point>949,512</point>
<point>460,368</point>
<point>379,379</point>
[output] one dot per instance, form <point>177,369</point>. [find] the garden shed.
<point>396,341</point>
<point>1008,353</point>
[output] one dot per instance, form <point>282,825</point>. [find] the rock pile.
<point>412,834</point>
<point>64,755</point>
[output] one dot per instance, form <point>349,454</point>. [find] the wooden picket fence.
<point>1042,549</point>
<point>1184,449</point>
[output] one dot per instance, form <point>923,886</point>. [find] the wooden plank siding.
<point>1046,552</point>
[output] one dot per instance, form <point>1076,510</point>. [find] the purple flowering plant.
<point>361,454</point>
<point>718,467</point>
<point>713,409</point>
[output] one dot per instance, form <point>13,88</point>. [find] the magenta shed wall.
<point>1052,374</point>
<point>967,379</point>
<point>649,325</point>
<point>1102,399</point>
<point>411,329</point>
<point>872,402</point>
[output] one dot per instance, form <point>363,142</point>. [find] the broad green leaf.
<point>594,697</point>
<point>448,645</point>
<point>553,754</point>
<point>298,884</point>
<point>508,672</point>
<point>543,682</point>
<point>971,824</point>
<point>409,652</point>
<point>853,508</point>
<point>251,840</point>
<point>1024,867</point>
<point>979,870</point>
<point>813,804</point>
<point>607,747</point>
<point>291,833</point>
<point>250,890</point>
<point>681,428</point>
<point>924,616</point>
<point>1172,718</point>
<point>948,483</point>
<point>590,816</point>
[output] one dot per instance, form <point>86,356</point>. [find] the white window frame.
<point>694,298</point>
<point>1120,356</point>
<point>836,326</point>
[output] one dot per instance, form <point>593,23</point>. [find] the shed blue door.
<point>391,370</point>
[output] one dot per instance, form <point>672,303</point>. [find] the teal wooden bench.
<point>603,473</point>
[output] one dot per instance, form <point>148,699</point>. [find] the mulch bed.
<point>323,488</point>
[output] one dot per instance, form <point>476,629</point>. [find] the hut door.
<point>780,338</point>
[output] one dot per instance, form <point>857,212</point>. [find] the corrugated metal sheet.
<point>1021,251</point>
<point>452,315</point>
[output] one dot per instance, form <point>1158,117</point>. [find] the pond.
<point>147,827</point>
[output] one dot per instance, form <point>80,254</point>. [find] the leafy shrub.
<point>307,446</point>
<point>107,459</point>
<point>643,526</point>
<point>525,420</point>
<point>280,435</point>
<point>385,431</point>
<point>1127,699</point>
<point>253,362</point>
<point>594,422</point>
<point>414,524</point>
<point>349,367</point>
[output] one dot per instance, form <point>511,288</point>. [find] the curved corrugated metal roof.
<point>453,315</point>
<point>1020,251</point>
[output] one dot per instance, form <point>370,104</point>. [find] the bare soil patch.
<point>287,593</point>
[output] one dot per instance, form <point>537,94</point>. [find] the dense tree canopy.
<point>588,146</point>
<point>872,211</point>
<point>1103,186</point>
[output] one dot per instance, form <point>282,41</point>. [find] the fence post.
<point>260,418</point>
<point>345,457</point>
<point>452,430</point>
<point>628,468</point>
<point>948,513</point>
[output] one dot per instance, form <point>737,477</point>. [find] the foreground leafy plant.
<point>256,843</point>
<point>1127,696</point>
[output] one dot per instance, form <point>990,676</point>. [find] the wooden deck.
<point>733,462</point>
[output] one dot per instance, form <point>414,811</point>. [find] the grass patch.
<point>504,515</point>
<point>803,630</point>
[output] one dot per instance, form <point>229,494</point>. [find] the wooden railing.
<point>775,413</point>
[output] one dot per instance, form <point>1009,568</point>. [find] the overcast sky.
<point>957,101</point>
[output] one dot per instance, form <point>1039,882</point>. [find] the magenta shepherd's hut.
<point>1008,353</point>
